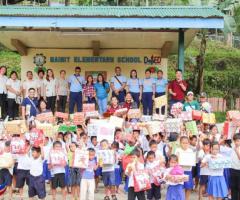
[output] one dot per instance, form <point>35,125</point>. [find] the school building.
<point>100,38</point>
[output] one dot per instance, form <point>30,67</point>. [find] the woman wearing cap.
<point>190,104</point>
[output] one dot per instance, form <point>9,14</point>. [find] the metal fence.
<point>221,38</point>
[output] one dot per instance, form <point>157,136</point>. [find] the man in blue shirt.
<point>75,87</point>
<point>161,88</point>
<point>118,84</point>
<point>29,105</point>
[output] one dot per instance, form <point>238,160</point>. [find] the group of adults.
<point>44,91</point>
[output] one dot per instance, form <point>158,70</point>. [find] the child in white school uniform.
<point>184,147</point>
<point>217,187</point>
<point>108,175</point>
<point>152,164</point>
<point>204,171</point>
<point>58,173</point>
<point>23,169</point>
<point>36,180</point>
<point>131,167</point>
<point>235,169</point>
<point>175,188</point>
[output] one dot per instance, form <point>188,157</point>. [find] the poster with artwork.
<point>57,157</point>
<point>106,157</point>
<point>36,137</point>
<point>18,145</point>
<point>81,158</point>
<point>105,131</point>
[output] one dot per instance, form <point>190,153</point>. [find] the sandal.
<point>114,197</point>
<point>106,198</point>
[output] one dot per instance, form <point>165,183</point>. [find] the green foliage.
<point>221,71</point>
<point>11,60</point>
<point>237,18</point>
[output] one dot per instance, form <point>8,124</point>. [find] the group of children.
<point>132,153</point>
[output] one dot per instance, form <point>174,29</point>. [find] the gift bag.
<point>92,114</point>
<point>173,125</point>
<point>196,114</point>
<point>228,130</point>
<point>186,116</point>
<point>160,101</point>
<point>158,117</point>
<point>18,145</point>
<point>134,114</point>
<point>16,127</point>
<point>81,158</point>
<point>78,118</point>
<point>88,107</point>
<point>176,109</point>
<point>106,157</point>
<point>121,112</point>
<point>36,137</point>
<point>62,115</point>
<point>57,157</point>
<point>47,129</point>
<point>233,114</point>
<point>208,118</point>
<point>156,127</point>
<point>192,127</point>
<point>46,117</point>
<point>187,158</point>
<point>141,181</point>
<point>116,121</point>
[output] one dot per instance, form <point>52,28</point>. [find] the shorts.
<point>108,178</point>
<point>75,177</point>
<point>36,187</point>
<point>22,176</point>
<point>15,168</point>
<point>5,177</point>
<point>58,180</point>
<point>203,179</point>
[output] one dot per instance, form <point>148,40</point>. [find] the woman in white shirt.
<point>14,90</point>
<point>3,92</point>
<point>50,88</point>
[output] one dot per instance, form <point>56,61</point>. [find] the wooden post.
<point>21,48</point>
<point>96,47</point>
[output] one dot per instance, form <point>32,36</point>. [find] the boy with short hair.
<point>108,175</point>
<point>36,185</point>
<point>58,173</point>
<point>88,182</point>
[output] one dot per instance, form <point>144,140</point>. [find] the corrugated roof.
<point>112,11</point>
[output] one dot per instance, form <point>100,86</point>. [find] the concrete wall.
<point>58,59</point>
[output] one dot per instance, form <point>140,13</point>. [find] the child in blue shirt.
<point>88,182</point>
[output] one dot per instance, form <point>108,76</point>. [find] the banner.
<point>116,121</point>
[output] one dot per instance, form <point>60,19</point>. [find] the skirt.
<point>118,176</point>
<point>46,172</point>
<point>226,174</point>
<point>189,184</point>
<point>175,192</point>
<point>217,187</point>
